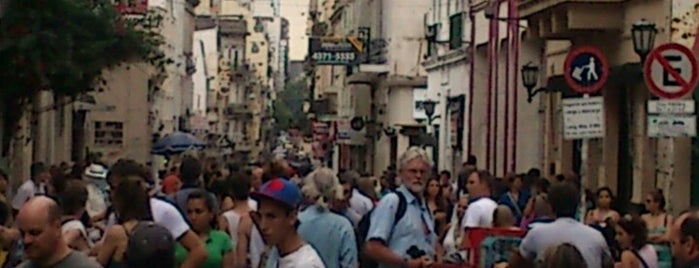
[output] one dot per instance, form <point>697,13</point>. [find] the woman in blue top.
<point>515,198</point>
<point>658,221</point>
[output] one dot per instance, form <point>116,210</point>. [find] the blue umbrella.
<point>175,143</point>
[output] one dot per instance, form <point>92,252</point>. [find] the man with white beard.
<point>401,229</point>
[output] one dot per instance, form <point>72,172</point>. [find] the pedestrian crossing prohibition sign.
<point>586,69</point>
<point>670,71</point>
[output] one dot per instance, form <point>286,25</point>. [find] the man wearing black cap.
<point>276,217</point>
<point>36,185</point>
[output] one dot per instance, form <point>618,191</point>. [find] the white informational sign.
<point>671,106</point>
<point>346,135</point>
<point>583,118</point>
<point>671,126</point>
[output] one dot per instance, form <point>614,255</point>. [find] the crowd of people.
<point>202,214</point>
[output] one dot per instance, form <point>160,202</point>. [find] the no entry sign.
<point>670,71</point>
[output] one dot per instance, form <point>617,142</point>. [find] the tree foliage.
<point>65,46</point>
<point>288,106</point>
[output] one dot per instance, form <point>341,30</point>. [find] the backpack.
<point>365,223</point>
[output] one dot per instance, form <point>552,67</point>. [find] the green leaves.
<point>66,44</point>
<point>288,107</point>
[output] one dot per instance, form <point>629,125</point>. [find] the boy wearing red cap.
<point>276,217</point>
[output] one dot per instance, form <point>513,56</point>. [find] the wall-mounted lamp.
<point>643,36</point>
<point>530,78</point>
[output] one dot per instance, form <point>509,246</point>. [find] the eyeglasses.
<point>418,171</point>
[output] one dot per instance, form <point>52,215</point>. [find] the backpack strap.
<point>402,207</point>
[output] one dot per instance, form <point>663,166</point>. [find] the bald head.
<point>39,206</point>
<point>40,222</point>
<point>685,238</point>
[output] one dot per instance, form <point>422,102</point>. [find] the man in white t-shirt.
<point>163,213</point>
<point>359,203</point>
<point>36,185</point>
<point>278,206</point>
<point>481,207</point>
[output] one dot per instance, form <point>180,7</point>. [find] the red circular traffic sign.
<point>590,61</point>
<point>670,71</point>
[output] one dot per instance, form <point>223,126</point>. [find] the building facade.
<point>625,159</point>
<point>483,112</point>
<point>377,94</point>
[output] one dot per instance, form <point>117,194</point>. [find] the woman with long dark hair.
<point>632,237</point>
<point>658,220</point>
<point>436,204</point>
<point>130,203</point>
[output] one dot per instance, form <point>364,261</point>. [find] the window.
<point>109,133</point>
<point>258,26</point>
<point>432,31</point>
<point>456,30</point>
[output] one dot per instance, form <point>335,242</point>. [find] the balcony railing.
<point>238,111</point>
<point>233,26</point>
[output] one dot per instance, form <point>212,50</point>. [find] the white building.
<point>380,93</point>
<point>173,103</point>
<point>459,81</point>
<point>296,12</point>
<point>206,78</point>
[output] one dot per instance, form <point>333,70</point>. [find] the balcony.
<point>239,70</point>
<point>131,7</point>
<point>565,19</point>
<point>238,111</point>
<point>233,26</point>
<point>324,107</point>
<point>203,22</point>
<point>244,146</point>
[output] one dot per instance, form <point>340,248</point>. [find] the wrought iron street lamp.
<point>429,106</point>
<point>643,37</point>
<point>530,78</point>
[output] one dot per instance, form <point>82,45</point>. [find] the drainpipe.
<point>489,103</point>
<point>496,69</point>
<point>515,79</point>
<point>472,77</point>
<point>508,48</point>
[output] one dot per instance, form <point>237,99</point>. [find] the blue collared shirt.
<point>332,236</point>
<point>416,228</point>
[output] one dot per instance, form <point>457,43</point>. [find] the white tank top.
<point>648,255</point>
<point>233,220</point>
<point>77,225</point>
<point>256,245</point>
